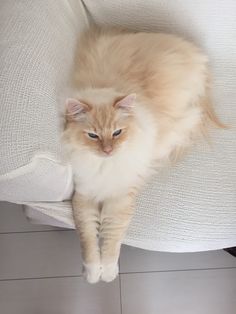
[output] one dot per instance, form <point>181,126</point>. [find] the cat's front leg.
<point>87,221</point>
<point>115,218</point>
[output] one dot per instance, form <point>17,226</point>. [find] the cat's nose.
<point>107,149</point>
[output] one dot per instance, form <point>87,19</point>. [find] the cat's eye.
<point>117,132</point>
<point>93,135</point>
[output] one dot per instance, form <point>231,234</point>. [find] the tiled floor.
<point>40,273</point>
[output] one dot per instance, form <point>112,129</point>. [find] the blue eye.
<point>116,133</point>
<point>92,135</point>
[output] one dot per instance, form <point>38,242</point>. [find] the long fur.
<point>170,78</point>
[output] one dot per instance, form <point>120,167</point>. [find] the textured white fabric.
<point>189,207</point>
<point>55,214</point>
<point>43,178</point>
<point>37,48</point>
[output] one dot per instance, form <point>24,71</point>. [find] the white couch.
<point>190,207</point>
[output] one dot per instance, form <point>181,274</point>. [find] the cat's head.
<point>101,124</point>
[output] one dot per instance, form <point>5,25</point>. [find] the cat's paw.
<point>92,272</point>
<point>109,272</point>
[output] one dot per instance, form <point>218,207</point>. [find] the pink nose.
<point>107,149</point>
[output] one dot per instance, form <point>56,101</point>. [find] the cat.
<point>138,100</point>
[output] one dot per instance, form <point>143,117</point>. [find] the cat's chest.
<point>112,176</point>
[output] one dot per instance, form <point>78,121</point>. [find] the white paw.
<point>92,272</point>
<point>109,272</point>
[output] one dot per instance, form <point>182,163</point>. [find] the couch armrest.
<point>37,48</point>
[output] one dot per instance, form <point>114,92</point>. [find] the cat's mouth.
<point>106,155</point>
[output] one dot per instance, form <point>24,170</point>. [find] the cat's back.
<point>108,57</point>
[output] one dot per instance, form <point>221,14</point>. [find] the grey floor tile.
<point>137,260</point>
<point>59,296</point>
<point>39,254</point>
<point>182,292</point>
<point>12,219</point>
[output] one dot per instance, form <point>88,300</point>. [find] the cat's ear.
<point>126,103</point>
<point>75,109</point>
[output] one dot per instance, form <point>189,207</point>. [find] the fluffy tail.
<point>210,118</point>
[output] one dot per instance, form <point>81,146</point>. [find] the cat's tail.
<point>210,117</point>
<point>206,103</point>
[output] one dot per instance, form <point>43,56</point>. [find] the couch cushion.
<point>191,206</point>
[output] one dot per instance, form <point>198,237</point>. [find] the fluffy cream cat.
<point>138,99</point>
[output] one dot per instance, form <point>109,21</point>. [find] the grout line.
<point>120,275</point>
<point>36,231</point>
<point>50,277</point>
<point>121,309</point>
<point>175,270</point>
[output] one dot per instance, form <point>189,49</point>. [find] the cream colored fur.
<point>170,79</point>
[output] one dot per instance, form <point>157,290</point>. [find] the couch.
<point>190,206</point>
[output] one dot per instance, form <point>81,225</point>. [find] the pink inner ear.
<point>74,107</point>
<point>127,102</point>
